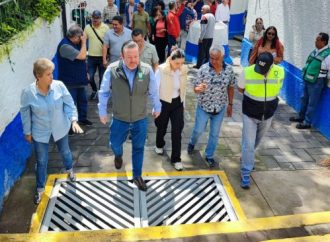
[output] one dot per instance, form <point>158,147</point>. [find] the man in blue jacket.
<point>186,18</point>
<point>72,69</point>
<point>130,8</point>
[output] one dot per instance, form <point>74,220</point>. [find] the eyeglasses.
<point>259,22</point>
<point>271,33</point>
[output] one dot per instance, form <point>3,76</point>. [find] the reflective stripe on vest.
<point>255,87</point>
<point>312,69</point>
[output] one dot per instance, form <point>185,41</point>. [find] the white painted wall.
<point>297,23</point>
<point>42,42</point>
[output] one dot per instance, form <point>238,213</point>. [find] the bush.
<point>16,16</point>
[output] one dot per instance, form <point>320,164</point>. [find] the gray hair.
<point>207,8</point>
<point>74,31</point>
<point>217,49</point>
<point>130,44</point>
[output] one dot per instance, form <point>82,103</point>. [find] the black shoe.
<point>85,122</point>
<point>196,67</point>
<point>190,149</point>
<point>118,162</point>
<point>138,181</point>
<point>210,162</point>
<point>93,96</point>
<point>37,197</point>
<point>303,126</point>
<point>296,119</point>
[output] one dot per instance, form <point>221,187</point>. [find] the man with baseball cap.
<point>260,84</point>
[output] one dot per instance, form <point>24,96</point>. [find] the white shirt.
<point>222,13</point>
<point>325,65</point>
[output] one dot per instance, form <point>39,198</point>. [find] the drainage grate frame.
<point>115,203</point>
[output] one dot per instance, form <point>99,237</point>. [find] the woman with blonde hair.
<point>172,79</point>
<point>47,109</point>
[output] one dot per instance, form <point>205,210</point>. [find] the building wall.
<point>16,74</point>
<point>297,23</point>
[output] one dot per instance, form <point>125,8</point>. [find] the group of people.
<point>129,73</point>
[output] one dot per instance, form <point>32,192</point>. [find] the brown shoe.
<point>118,162</point>
<point>325,162</point>
<point>138,181</point>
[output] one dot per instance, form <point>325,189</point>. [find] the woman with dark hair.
<point>152,20</point>
<point>159,36</point>
<point>257,31</point>
<point>172,79</point>
<point>268,43</point>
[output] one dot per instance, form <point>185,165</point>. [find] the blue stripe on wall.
<point>236,24</point>
<point>292,91</point>
<point>14,152</point>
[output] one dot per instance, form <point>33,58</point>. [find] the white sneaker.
<point>159,151</point>
<point>178,166</point>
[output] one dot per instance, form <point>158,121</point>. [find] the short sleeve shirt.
<point>68,52</point>
<point>116,41</point>
<point>95,45</point>
<point>149,54</point>
<point>140,21</point>
<point>215,97</point>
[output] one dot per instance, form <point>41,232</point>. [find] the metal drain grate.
<point>94,204</point>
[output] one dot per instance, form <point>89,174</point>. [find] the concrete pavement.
<point>287,179</point>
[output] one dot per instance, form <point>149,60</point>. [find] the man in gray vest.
<point>128,83</point>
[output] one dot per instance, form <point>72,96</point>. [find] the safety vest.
<point>312,67</point>
<point>259,88</point>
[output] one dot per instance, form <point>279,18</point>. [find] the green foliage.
<point>16,16</point>
<point>48,9</point>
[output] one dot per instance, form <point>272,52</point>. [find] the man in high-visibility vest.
<point>315,74</point>
<point>260,84</point>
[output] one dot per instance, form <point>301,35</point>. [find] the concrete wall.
<point>297,23</point>
<point>16,74</point>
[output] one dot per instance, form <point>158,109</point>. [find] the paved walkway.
<point>287,179</point>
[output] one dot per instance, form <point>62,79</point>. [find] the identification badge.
<point>140,76</point>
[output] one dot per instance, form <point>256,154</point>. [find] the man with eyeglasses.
<point>315,74</point>
<point>260,84</point>
<point>214,87</point>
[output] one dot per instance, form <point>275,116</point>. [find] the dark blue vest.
<point>72,73</point>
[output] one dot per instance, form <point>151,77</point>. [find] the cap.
<point>96,14</point>
<point>263,63</point>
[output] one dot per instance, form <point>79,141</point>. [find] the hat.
<point>96,14</point>
<point>263,63</point>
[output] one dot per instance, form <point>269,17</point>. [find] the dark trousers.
<point>80,100</point>
<point>174,112</point>
<point>171,42</point>
<point>94,63</point>
<point>203,51</point>
<point>160,44</point>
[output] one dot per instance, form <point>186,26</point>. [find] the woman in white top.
<point>223,12</point>
<point>172,79</point>
<point>257,31</point>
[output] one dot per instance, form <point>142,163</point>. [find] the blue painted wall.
<point>14,152</point>
<point>236,24</point>
<point>292,91</point>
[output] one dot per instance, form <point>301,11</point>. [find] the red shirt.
<point>172,21</point>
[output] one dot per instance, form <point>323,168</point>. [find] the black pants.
<point>174,112</point>
<point>160,44</point>
<point>203,51</point>
<point>94,63</point>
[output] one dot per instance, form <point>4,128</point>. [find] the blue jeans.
<point>118,134</point>
<point>253,131</point>
<point>94,63</point>
<point>80,100</point>
<point>41,152</point>
<point>201,120</point>
<point>310,99</point>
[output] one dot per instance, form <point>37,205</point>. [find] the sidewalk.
<point>287,179</point>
